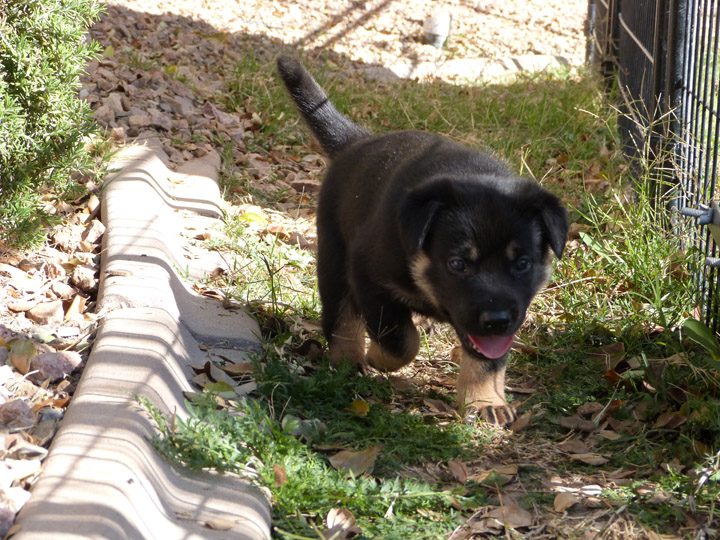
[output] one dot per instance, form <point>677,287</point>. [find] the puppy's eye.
<point>457,265</point>
<point>523,264</point>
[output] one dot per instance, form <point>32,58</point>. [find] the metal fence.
<point>664,56</point>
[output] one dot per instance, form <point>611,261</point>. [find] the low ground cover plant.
<point>43,124</point>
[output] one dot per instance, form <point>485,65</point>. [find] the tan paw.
<point>500,415</point>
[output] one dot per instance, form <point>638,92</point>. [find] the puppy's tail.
<point>333,130</point>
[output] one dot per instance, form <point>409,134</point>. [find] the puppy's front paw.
<point>501,415</point>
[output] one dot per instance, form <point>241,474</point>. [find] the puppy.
<point>411,222</point>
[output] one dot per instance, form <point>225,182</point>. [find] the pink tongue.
<point>492,346</point>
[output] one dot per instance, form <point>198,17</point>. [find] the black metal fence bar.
<point>666,55</point>
<point>700,138</point>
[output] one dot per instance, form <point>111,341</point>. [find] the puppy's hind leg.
<point>346,336</point>
<point>341,321</point>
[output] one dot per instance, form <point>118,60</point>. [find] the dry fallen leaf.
<point>609,435</point>
<point>438,406</point>
<point>341,524</point>
<point>563,501</point>
<point>356,463</point>
<point>218,524</point>
<point>575,422</point>
<point>611,354</point>
<point>76,307</point>
<point>493,478</point>
<point>360,407</point>
<point>590,458</point>
<point>240,368</point>
<point>591,408</point>
<point>522,422</point>
<point>574,446</point>
<point>620,474</point>
<point>670,420</point>
<point>22,351</point>
<point>280,475</point>
<point>459,471</point>
<point>511,516</point>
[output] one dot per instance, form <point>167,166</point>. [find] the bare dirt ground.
<point>383,31</point>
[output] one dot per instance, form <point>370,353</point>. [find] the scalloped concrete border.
<point>102,478</point>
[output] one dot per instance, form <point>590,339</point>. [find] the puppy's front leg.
<point>481,390</point>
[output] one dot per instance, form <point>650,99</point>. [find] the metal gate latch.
<point>710,216</point>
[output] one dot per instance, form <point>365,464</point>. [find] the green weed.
<point>259,434</point>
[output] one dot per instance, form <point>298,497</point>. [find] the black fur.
<point>413,222</point>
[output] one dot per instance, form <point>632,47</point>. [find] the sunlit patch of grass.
<point>262,434</point>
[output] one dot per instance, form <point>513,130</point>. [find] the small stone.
<point>22,468</point>
<point>160,120</point>
<point>174,155</point>
<point>16,413</point>
<point>180,105</point>
<point>305,185</point>
<point>114,102</point>
<point>25,450</point>
<point>17,497</point>
<point>6,478</point>
<point>104,85</point>
<point>138,120</point>
<point>93,231</point>
<point>93,203</point>
<point>26,265</point>
<point>86,247</point>
<point>181,124</point>
<point>47,313</point>
<point>125,99</point>
<point>83,278</point>
<point>67,237</point>
<point>118,134</point>
<point>258,167</point>
<point>45,431</point>
<point>20,306</point>
<point>54,366</point>
<point>52,413</point>
<point>7,518</point>
<point>436,29</point>
<point>106,74</point>
<point>104,115</point>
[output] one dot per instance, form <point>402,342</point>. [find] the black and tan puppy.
<point>411,222</point>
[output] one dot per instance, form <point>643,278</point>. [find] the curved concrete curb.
<point>102,478</point>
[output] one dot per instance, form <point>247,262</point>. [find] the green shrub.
<point>43,50</point>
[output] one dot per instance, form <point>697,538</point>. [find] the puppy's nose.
<point>496,322</point>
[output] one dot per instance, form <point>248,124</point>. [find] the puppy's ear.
<point>418,211</point>
<point>554,222</point>
<point>415,222</point>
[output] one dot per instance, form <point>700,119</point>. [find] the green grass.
<point>260,434</point>
<point>528,121</point>
<point>622,281</point>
